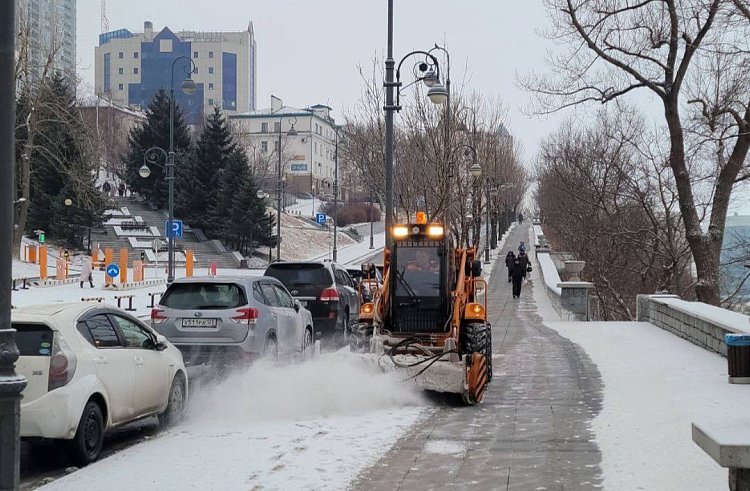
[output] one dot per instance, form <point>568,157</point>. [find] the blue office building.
<point>132,67</point>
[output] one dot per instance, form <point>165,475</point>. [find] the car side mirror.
<point>476,268</point>
<point>297,305</point>
<point>161,342</point>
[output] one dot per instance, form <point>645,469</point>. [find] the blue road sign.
<point>176,229</point>
<point>320,218</point>
<point>113,270</point>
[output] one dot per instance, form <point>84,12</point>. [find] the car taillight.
<point>157,316</point>
<point>330,294</point>
<point>62,363</point>
<point>249,315</point>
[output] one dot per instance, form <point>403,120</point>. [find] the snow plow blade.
<point>452,377</point>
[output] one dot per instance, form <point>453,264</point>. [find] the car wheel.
<point>176,404</point>
<point>272,348</point>
<point>307,344</point>
<point>89,438</point>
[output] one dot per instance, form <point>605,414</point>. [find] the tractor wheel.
<point>476,345</point>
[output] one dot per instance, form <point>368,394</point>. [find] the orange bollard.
<point>32,254</point>
<point>123,265</point>
<point>137,271</point>
<point>109,258</point>
<point>61,268</point>
<point>95,256</point>
<point>43,262</point>
<point>189,263</point>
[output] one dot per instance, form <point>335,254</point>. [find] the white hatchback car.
<point>91,368</point>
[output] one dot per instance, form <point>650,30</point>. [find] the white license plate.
<point>303,303</point>
<point>199,322</point>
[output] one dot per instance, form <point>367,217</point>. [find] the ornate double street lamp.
<point>152,155</point>
<point>427,71</point>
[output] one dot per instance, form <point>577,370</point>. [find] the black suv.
<point>326,290</point>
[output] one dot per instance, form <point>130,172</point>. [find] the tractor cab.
<point>421,264</point>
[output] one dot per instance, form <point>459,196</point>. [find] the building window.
<point>264,128</point>
<point>195,71</point>
<point>121,55</point>
<point>276,146</point>
<point>135,55</point>
<point>210,102</point>
<point>264,146</point>
<point>195,54</point>
<point>121,71</point>
<point>120,87</point>
<point>316,147</point>
<point>277,127</point>
<point>165,46</point>
<point>210,69</point>
<point>210,54</point>
<point>210,86</point>
<point>135,71</point>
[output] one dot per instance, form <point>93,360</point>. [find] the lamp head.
<point>292,133</point>
<point>188,86</point>
<point>476,170</point>
<point>68,201</point>
<point>144,171</point>
<point>430,78</point>
<point>438,94</point>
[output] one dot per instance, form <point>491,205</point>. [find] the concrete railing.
<point>699,323</point>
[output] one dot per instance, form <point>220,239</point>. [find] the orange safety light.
<point>368,308</point>
<point>421,217</point>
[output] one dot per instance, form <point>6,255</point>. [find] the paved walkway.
<point>530,433</point>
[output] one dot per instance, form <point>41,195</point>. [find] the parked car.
<point>91,368</point>
<point>223,320</point>
<point>326,289</point>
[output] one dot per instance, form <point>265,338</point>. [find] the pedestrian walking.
<point>121,189</point>
<point>522,247</point>
<point>509,262</point>
<point>517,272</point>
<point>86,276</point>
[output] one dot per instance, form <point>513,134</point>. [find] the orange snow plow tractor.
<point>429,319</point>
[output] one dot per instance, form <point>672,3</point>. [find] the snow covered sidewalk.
<point>311,426</point>
<point>655,385</point>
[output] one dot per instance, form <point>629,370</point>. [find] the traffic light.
<point>41,237</point>
<point>143,255</point>
<point>67,254</point>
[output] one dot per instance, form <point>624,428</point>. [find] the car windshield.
<point>418,272</point>
<point>300,274</point>
<point>203,296</point>
<point>33,339</point>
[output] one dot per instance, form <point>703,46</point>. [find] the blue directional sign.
<point>113,270</point>
<point>176,229</point>
<point>320,218</point>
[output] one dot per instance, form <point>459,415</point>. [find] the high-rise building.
<point>51,26</point>
<point>735,254</point>
<point>132,67</point>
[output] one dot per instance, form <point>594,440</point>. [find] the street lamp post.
<point>336,195</point>
<point>487,222</point>
<point>372,223</point>
<point>476,171</point>
<point>280,183</point>
<point>437,95</point>
<point>11,384</point>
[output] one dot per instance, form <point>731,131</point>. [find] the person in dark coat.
<point>509,262</point>
<point>516,272</point>
<point>524,261</point>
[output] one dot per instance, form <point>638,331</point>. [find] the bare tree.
<point>669,48</point>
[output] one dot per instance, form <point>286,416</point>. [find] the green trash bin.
<point>738,358</point>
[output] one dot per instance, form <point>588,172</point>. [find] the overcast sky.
<point>308,51</point>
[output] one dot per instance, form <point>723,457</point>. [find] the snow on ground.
<point>355,252</point>
<point>311,426</point>
<point>655,385</point>
<point>300,239</point>
<point>305,207</point>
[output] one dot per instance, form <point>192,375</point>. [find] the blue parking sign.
<point>320,218</point>
<point>176,229</point>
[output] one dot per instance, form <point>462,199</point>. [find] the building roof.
<point>284,111</point>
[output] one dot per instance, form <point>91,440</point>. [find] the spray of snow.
<point>333,385</point>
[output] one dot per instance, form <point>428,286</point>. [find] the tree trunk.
<point>25,181</point>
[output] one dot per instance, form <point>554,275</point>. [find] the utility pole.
<point>11,384</point>
<point>336,197</point>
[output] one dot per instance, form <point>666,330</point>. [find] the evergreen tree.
<point>154,132</point>
<point>201,178</point>
<point>62,171</point>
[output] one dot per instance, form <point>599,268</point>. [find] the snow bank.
<point>537,232</point>
<point>655,385</point>
<point>312,426</point>
<point>549,272</point>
